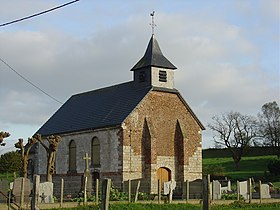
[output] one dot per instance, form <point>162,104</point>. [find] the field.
<point>250,167</point>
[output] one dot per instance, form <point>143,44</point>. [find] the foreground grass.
<point>236,205</point>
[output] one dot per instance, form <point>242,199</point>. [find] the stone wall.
<point>109,150</point>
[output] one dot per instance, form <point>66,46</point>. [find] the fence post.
<point>137,191</point>
<point>129,191</point>
<point>22,193</point>
<point>238,190</point>
<point>159,191</point>
<point>170,193</point>
<point>249,186</point>
<point>85,191</point>
<point>35,194</point>
<point>260,186</point>
<point>97,192</point>
<point>61,192</point>
<point>206,192</point>
<point>106,186</point>
<point>9,201</point>
<point>187,191</point>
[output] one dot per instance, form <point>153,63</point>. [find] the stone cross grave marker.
<point>88,175</point>
<point>46,192</point>
<point>86,158</point>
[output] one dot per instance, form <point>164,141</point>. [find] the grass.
<point>7,176</point>
<point>132,206</point>
<point>249,166</point>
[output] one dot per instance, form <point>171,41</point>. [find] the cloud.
<point>220,67</point>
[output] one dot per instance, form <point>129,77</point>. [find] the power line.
<point>37,14</point>
<point>28,81</point>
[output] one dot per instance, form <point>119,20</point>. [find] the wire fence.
<point>73,189</point>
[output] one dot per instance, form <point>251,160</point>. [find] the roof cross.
<point>153,25</point>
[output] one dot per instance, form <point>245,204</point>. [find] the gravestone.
<point>17,189</point>
<point>168,187</point>
<point>46,192</point>
<point>196,189</point>
<point>225,186</point>
<point>4,189</point>
<point>216,190</point>
<point>87,176</point>
<point>265,191</point>
<point>243,189</point>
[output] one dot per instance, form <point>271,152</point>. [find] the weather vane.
<point>153,22</point>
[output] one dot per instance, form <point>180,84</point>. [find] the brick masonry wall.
<point>161,112</point>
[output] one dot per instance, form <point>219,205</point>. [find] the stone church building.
<point>138,130</point>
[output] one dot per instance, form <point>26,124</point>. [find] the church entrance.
<point>163,175</point>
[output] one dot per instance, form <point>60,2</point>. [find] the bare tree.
<point>2,136</point>
<point>235,132</point>
<point>51,149</point>
<point>269,126</point>
<point>25,153</point>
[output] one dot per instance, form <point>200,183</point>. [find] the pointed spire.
<point>153,57</point>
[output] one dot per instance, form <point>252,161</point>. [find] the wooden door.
<point>163,175</point>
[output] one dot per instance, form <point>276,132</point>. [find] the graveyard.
<point>240,188</point>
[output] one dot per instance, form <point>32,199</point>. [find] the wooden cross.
<point>86,158</point>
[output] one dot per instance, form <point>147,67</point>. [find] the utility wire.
<point>37,14</point>
<point>31,83</point>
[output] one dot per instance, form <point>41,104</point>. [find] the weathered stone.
<point>265,191</point>
<point>243,188</point>
<point>4,188</point>
<point>196,189</point>
<point>17,188</point>
<point>46,192</point>
<point>216,190</point>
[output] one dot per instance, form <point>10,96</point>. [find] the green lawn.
<point>240,206</point>
<point>249,167</point>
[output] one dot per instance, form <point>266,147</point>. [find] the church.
<point>138,130</point>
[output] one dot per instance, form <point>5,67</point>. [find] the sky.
<point>226,52</point>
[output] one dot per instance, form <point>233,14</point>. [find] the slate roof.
<point>95,109</point>
<point>153,57</point>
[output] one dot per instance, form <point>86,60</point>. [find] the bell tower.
<point>154,68</point>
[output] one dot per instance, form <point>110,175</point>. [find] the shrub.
<point>274,167</point>
<point>232,197</point>
<point>215,171</point>
<point>10,162</point>
<point>116,195</point>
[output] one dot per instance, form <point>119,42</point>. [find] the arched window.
<point>72,156</point>
<point>95,152</point>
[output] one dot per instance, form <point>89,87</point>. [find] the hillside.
<point>253,165</point>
